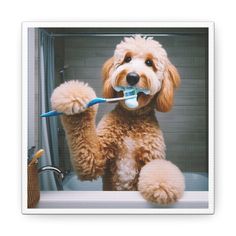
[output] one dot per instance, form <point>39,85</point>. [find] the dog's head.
<point>141,63</point>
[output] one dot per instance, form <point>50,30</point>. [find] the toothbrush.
<point>94,101</point>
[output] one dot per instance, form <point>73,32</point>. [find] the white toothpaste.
<point>131,91</point>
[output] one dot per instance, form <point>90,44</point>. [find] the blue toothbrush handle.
<point>96,101</point>
<point>89,104</point>
<point>51,113</point>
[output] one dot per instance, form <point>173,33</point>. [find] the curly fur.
<point>127,148</point>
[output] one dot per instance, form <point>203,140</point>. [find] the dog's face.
<point>141,63</point>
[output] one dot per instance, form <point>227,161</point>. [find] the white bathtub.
<point>75,200</point>
<point>194,181</point>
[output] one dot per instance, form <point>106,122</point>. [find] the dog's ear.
<point>108,91</point>
<point>165,97</point>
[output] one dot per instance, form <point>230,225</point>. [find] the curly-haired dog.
<point>127,148</point>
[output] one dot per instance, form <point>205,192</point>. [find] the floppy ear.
<point>165,97</point>
<point>108,91</point>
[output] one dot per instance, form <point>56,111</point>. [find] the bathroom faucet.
<point>58,174</point>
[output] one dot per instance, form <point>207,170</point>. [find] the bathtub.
<point>194,181</point>
<point>85,195</point>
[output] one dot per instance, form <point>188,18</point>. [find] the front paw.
<point>161,182</point>
<point>71,97</point>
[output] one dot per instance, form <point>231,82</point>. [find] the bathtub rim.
<point>73,202</point>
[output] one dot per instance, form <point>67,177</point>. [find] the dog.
<point>127,147</point>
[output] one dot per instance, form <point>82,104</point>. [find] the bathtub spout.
<point>58,175</point>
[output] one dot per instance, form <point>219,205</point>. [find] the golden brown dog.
<point>127,148</point>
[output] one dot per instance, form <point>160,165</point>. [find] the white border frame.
<point>211,201</point>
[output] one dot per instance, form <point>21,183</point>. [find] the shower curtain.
<point>49,137</point>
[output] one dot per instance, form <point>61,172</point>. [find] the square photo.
<point>118,118</point>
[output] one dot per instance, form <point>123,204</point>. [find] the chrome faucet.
<point>58,174</point>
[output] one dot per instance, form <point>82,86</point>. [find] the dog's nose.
<point>132,78</point>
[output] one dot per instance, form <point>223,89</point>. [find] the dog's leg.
<point>161,182</point>
<point>79,123</point>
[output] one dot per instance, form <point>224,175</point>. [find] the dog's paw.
<point>71,97</point>
<point>161,182</point>
<point>161,193</point>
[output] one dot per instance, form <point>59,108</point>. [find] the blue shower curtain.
<point>49,138</point>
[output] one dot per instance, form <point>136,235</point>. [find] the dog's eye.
<point>127,59</point>
<point>149,62</point>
